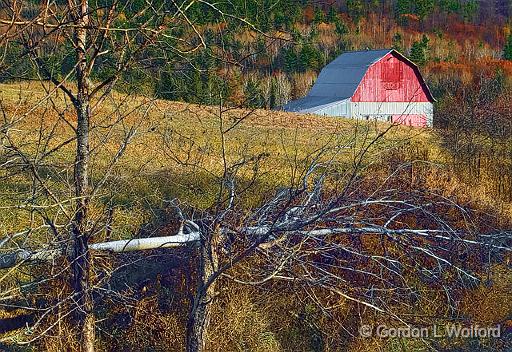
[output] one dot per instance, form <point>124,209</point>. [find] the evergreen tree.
<point>319,16</point>
<point>22,68</point>
<point>290,61</point>
<point>341,27</point>
<point>449,6</point>
<point>292,10</point>
<point>332,15</point>
<point>274,94</point>
<point>469,10</point>
<point>507,49</point>
<point>310,58</point>
<point>419,51</point>
<point>397,41</point>
<point>423,8</point>
<point>424,42</point>
<point>417,54</point>
<point>355,9</point>
<point>402,7</point>
<point>253,94</point>
<point>279,20</point>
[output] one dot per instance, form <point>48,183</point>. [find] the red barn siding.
<point>391,79</point>
<point>410,120</point>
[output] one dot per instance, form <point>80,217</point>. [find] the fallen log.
<point>140,244</point>
<point>21,256</point>
<point>193,234</point>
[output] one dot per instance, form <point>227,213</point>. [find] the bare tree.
<point>91,31</point>
<point>80,51</point>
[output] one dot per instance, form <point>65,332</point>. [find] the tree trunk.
<point>200,311</point>
<point>81,285</point>
<point>81,257</point>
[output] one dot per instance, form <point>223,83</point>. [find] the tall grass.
<point>177,154</point>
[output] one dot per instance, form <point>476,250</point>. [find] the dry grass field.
<point>180,152</point>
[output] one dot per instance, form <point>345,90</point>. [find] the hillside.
<point>178,145</point>
<point>257,55</point>
<point>177,156</point>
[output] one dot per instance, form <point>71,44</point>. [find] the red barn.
<point>372,84</point>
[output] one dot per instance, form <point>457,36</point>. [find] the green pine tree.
<point>310,58</point>
<point>397,41</point>
<point>469,10</point>
<point>274,94</point>
<point>319,16</point>
<point>507,49</point>
<point>402,7</point>
<point>253,94</point>
<point>341,27</point>
<point>290,60</point>
<point>424,42</point>
<point>332,15</point>
<point>355,9</point>
<point>424,8</point>
<point>419,51</point>
<point>417,54</point>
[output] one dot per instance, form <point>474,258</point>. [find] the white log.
<point>22,256</point>
<point>140,244</point>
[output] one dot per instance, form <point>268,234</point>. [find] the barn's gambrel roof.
<point>339,79</point>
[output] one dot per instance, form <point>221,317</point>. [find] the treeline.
<point>273,61</point>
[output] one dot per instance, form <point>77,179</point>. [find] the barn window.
<point>391,73</point>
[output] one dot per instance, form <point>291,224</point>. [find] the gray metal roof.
<point>338,80</point>
<point>309,103</point>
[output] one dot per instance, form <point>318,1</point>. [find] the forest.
<point>153,197</point>
<point>274,55</point>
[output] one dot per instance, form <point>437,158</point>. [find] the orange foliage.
<point>325,27</point>
<point>410,17</point>
<point>466,70</point>
<point>460,31</point>
<point>309,14</point>
<point>450,69</point>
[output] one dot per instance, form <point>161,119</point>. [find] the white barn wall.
<point>339,108</point>
<point>361,109</point>
<point>379,110</point>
